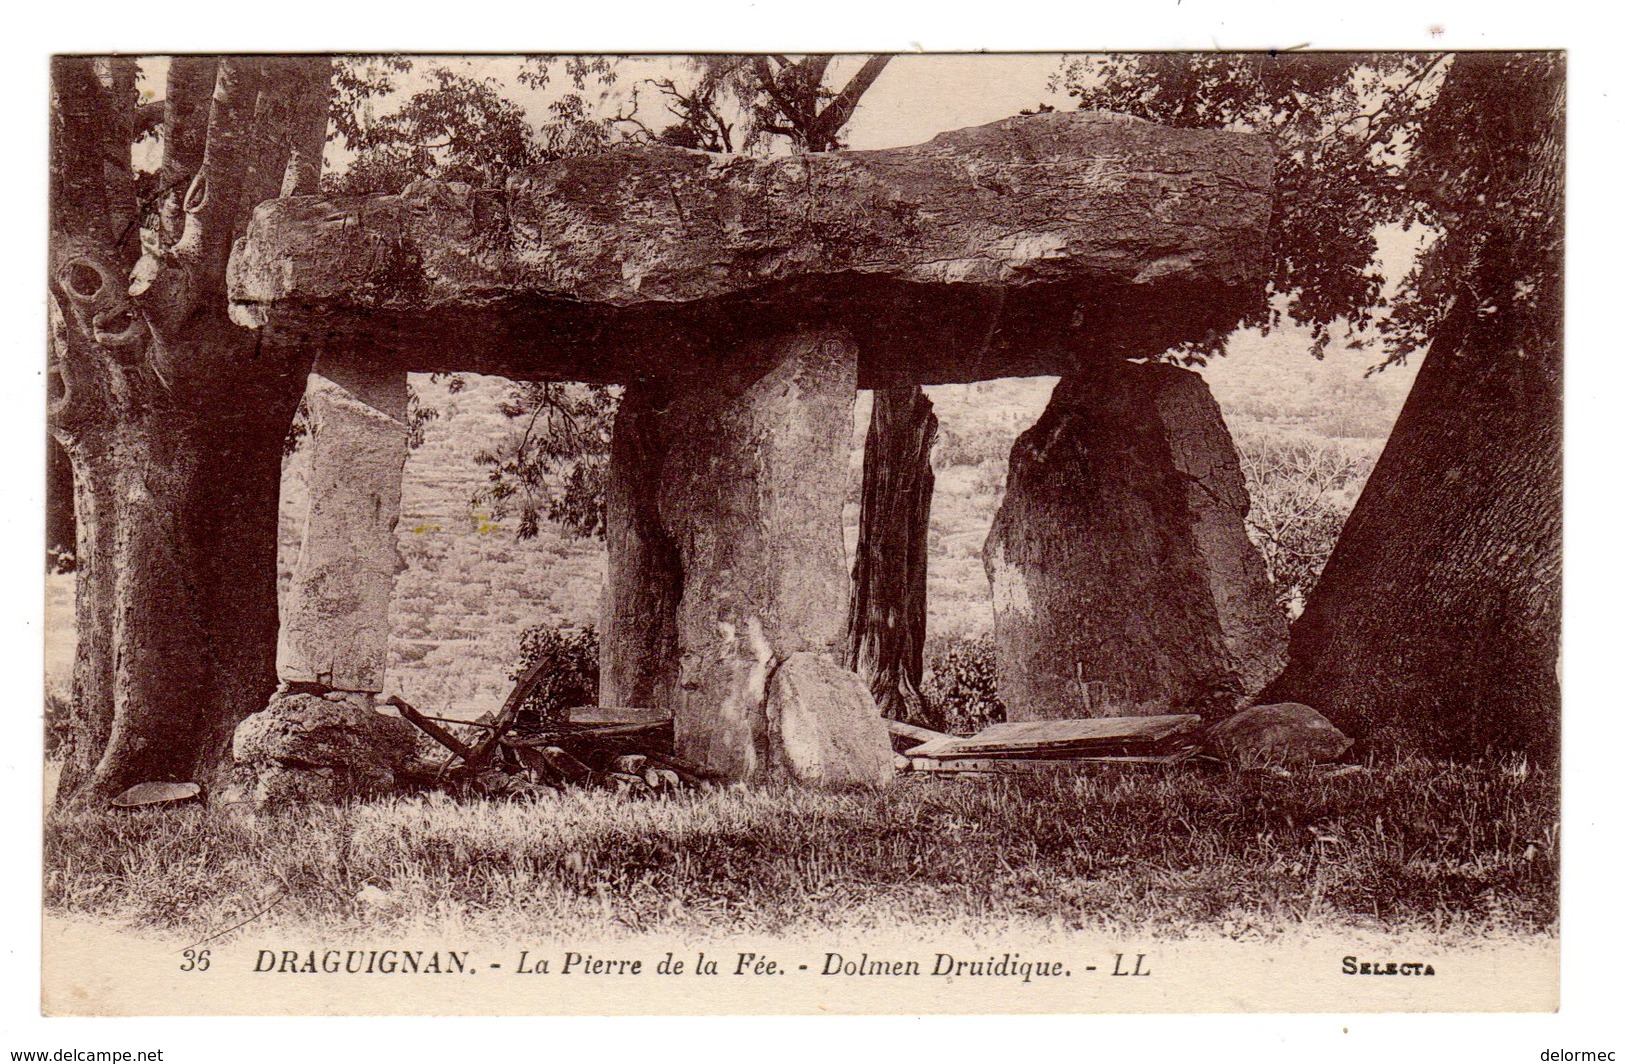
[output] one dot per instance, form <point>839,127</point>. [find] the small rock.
<point>1288,733</point>
<point>157,793</point>
<point>374,897</point>
<point>321,748</point>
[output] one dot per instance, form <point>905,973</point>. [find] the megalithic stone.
<point>335,622</point>
<point>644,582</point>
<point>987,252</point>
<point>1121,569</point>
<point>751,489</point>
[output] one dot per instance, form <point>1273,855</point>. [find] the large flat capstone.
<point>989,251</point>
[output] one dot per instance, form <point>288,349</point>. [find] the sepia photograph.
<point>804,533</point>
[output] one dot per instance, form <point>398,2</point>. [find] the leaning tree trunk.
<point>885,641</point>
<point>1435,622</point>
<point>173,416</point>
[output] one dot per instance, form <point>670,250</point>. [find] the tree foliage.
<point>1301,489</point>
<point>1486,174</point>
<point>557,463</point>
<point>459,126</point>
<point>1346,126</point>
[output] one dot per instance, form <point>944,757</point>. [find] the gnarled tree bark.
<point>59,532</point>
<point>885,635</point>
<point>173,416</point>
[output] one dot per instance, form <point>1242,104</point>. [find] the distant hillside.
<point>1272,381</point>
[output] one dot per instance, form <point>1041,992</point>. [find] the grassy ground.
<point>1455,852</point>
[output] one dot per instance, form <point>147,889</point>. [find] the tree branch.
<point>311,83</point>
<point>787,107</point>
<point>811,70</point>
<point>213,201</point>
<point>839,112</point>
<point>83,148</point>
<point>120,175</point>
<point>186,118</point>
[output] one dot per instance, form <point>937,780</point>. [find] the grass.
<point>1454,851</point>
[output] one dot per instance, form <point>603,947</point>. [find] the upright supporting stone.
<point>335,622</point>
<point>638,642</point>
<point>751,490</point>
<point>1122,574</point>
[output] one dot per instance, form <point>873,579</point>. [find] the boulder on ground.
<point>1287,734</point>
<point>825,726</point>
<point>325,748</point>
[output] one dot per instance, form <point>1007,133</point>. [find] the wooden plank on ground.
<point>617,715</point>
<point>433,730</point>
<point>1060,737</point>
<point>1019,765</point>
<point>900,730</point>
<point>591,734</point>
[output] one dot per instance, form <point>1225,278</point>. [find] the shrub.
<point>1302,489</point>
<point>961,447</point>
<point>961,684</point>
<point>58,721</point>
<point>571,676</point>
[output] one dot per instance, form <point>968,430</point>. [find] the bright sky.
<point>914,99</point>
<point>919,96</point>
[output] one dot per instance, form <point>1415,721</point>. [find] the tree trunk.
<point>59,530</point>
<point>184,595</point>
<point>1435,623</point>
<point>1434,627</point>
<point>90,713</point>
<point>885,639</point>
<point>172,415</point>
